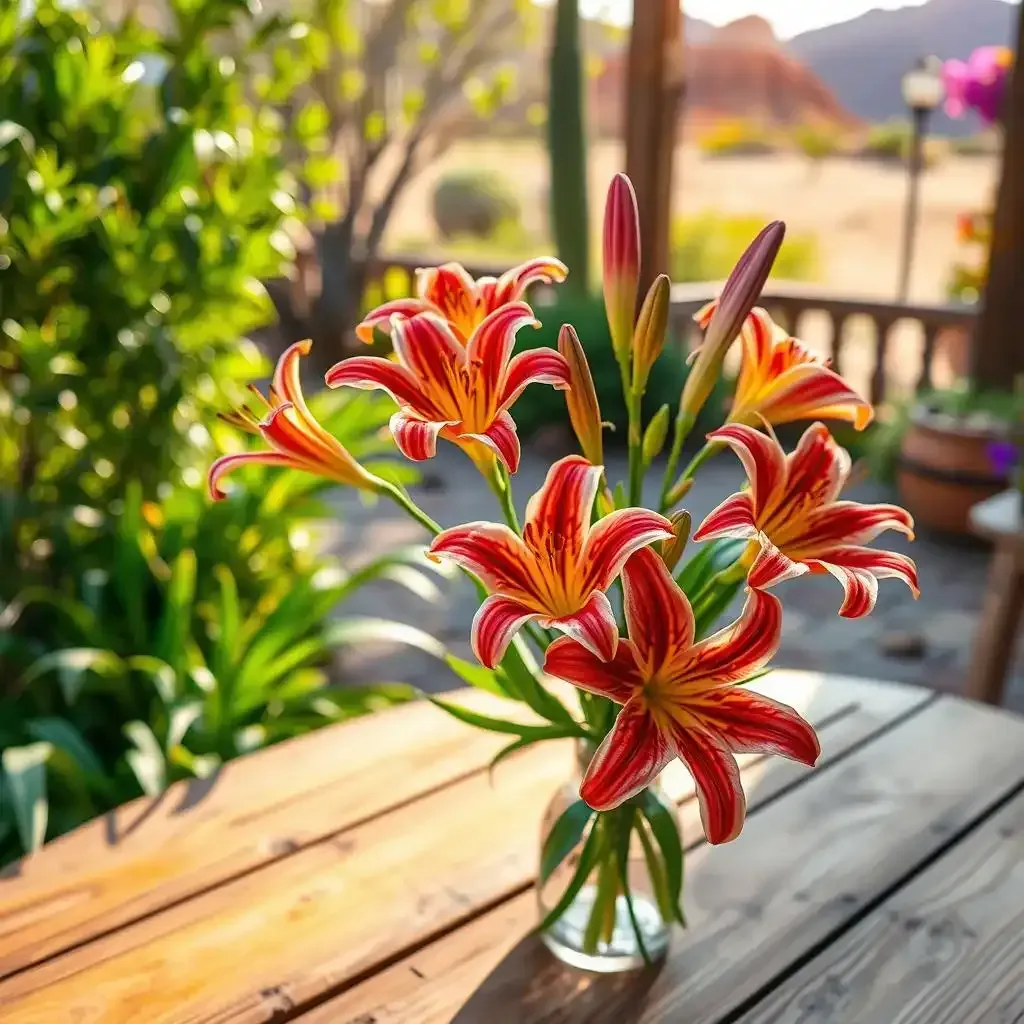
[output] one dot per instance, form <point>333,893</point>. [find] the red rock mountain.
<point>740,72</point>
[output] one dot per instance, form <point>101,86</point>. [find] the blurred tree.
<point>375,90</point>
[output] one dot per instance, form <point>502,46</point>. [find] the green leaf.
<point>368,630</point>
<point>181,719</point>
<point>624,818</point>
<point>530,732</point>
<point>146,760</point>
<point>523,684</point>
<point>711,605</point>
<point>564,836</point>
<point>712,557</point>
<point>666,831</point>
<point>174,631</point>
<point>477,676</point>
<point>24,771</point>
<point>513,748</point>
<point>71,666</point>
<point>61,734</point>
<point>589,856</point>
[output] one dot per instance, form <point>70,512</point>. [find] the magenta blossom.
<point>978,83</point>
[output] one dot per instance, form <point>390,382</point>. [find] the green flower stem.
<point>636,456</point>
<point>656,869</point>
<point>730,574</point>
<point>501,483</point>
<point>710,448</point>
<point>606,892</point>
<point>401,498</point>
<point>684,424</point>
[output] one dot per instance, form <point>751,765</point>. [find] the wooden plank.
<point>152,853</point>
<point>803,866</point>
<point>312,922</point>
<point>947,949</point>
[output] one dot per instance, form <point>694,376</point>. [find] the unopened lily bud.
<point>672,550</point>
<point>655,434</point>
<point>581,398</point>
<point>738,296</point>
<point>621,272</point>
<point>649,333</point>
<point>681,490</point>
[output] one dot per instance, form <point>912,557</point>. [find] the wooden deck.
<point>373,873</point>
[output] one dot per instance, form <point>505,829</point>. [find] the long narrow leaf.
<point>367,630</point>
<point>477,676</point>
<point>24,771</point>
<point>525,687</point>
<point>589,855</point>
<point>72,666</point>
<point>564,837</point>
<point>666,832</point>
<point>146,760</point>
<point>532,732</point>
<point>175,627</point>
<point>624,819</point>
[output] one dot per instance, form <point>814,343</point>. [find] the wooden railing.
<point>885,349</point>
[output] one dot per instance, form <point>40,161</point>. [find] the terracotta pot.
<point>945,469</point>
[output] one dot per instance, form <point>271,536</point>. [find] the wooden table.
<point>1000,520</point>
<point>372,873</point>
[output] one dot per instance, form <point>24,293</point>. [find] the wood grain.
<point>803,866</point>
<point>947,949</point>
<point>151,853</point>
<point>278,937</point>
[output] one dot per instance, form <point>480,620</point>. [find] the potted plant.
<point>952,453</point>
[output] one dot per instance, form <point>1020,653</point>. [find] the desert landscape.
<point>855,208</point>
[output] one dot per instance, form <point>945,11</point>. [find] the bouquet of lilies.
<point>591,587</point>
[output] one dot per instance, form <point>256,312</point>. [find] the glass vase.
<point>607,927</point>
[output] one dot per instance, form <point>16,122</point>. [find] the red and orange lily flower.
<point>557,572</point>
<point>454,296</point>
<point>781,380</point>
<point>796,524</point>
<point>460,392</point>
<point>296,439</point>
<point>680,698</point>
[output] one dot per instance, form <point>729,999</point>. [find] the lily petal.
<point>374,372</point>
<point>813,391</point>
<point>452,292</point>
<point>560,510</point>
<point>537,366</point>
<point>733,518</point>
<point>716,775</point>
<point>513,283</point>
<point>762,458</point>
<point>496,622</point>
<point>416,438</point>
<point>771,566</point>
<point>751,723</point>
<point>658,614</point>
<point>849,522</point>
<point>628,760</point>
<point>491,552</point>
<point>593,626</point>
<point>617,679</point>
<point>228,463</point>
<point>817,469</point>
<point>735,653</point>
<point>500,437</point>
<point>381,316</point>
<point>490,348</point>
<point>859,569</point>
<point>427,348</point>
<point>613,539</point>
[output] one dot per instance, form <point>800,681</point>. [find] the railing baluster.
<point>931,333</point>
<point>835,351</point>
<point>883,326</point>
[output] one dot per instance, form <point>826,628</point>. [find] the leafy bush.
<point>815,141</point>
<point>541,407</point>
<point>891,141</point>
<point>145,634</point>
<point>183,633</point>
<point>706,247</point>
<point>736,138</point>
<point>473,204</point>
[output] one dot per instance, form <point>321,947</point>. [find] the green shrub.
<point>891,142</point>
<point>145,634</point>
<point>816,142</point>
<point>473,204</point>
<point>540,407</point>
<point>736,138</point>
<point>706,247</point>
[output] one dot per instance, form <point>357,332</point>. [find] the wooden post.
<point>654,89</point>
<point>998,355</point>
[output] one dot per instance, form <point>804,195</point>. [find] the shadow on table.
<point>530,986</point>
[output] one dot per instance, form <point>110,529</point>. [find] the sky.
<point>787,17</point>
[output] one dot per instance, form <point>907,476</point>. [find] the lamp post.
<point>922,92</point>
